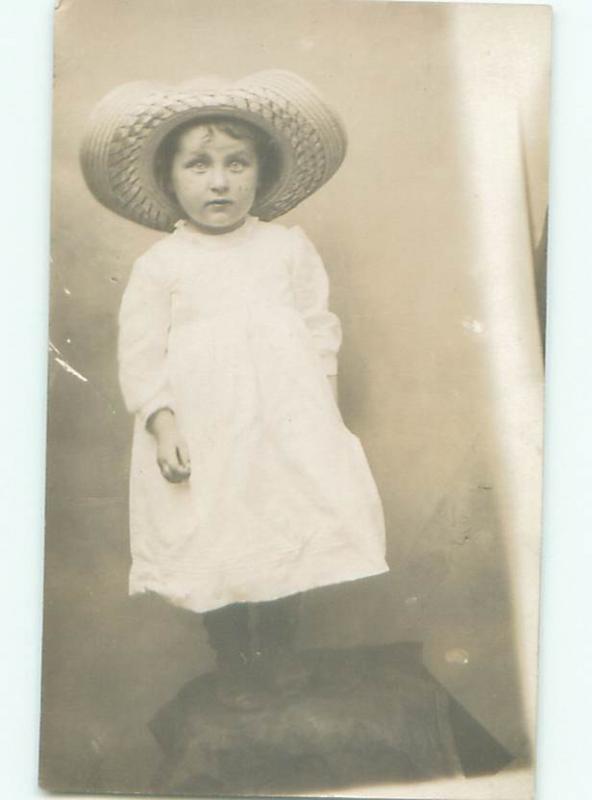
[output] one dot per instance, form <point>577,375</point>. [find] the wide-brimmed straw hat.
<point>128,126</point>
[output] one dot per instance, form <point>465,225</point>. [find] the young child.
<point>246,488</point>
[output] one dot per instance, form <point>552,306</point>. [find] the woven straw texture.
<point>128,125</point>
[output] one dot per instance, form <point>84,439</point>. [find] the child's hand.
<point>172,453</point>
<point>172,456</point>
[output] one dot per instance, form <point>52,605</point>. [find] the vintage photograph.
<point>296,356</point>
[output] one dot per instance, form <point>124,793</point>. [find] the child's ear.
<point>162,167</point>
<point>167,186</point>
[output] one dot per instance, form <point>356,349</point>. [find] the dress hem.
<point>252,595</point>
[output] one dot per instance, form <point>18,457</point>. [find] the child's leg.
<point>277,622</point>
<point>228,631</point>
<point>276,625</point>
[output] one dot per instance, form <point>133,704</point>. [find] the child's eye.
<point>199,165</point>
<point>237,165</point>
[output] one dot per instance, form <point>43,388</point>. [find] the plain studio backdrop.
<point>431,233</point>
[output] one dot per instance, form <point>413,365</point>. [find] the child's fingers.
<point>180,473</point>
<point>164,468</point>
<point>173,473</point>
<point>183,455</point>
<point>173,460</point>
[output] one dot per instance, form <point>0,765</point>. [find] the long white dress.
<point>232,332</point>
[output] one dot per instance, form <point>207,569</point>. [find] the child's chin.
<point>218,224</point>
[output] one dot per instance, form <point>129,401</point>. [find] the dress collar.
<point>186,230</point>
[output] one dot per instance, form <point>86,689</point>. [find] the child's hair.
<point>265,148</point>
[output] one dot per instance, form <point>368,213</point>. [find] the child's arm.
<point>334,387</point>
<point>311,291</point>
<point>144,322</point>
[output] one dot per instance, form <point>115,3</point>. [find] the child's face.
<point>214,178</point>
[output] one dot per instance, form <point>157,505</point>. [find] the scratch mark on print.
<point>59,359</point>
<point>457,656</point>
<point>472,325</point>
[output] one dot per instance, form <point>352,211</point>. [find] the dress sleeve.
<point>310,285</point>
<point>144,322</point>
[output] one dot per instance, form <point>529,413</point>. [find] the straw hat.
<point>127,127</point>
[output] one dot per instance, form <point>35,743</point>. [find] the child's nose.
<point>218,179</point>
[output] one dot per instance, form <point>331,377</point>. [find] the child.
<point>246,488</point>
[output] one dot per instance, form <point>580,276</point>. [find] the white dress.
<point>232,332</point>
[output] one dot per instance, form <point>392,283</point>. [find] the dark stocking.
<point>228,631</point>
<point>281,668</point>
<point>276,622</point>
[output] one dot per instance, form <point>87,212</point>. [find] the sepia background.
<point>433,236</point>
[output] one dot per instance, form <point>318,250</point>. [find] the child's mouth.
<point>220,203</point>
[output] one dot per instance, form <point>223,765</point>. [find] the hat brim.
<point>130,124</point>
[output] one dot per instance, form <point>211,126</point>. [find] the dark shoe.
<point>282,670</point>
<point>237,689</point>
